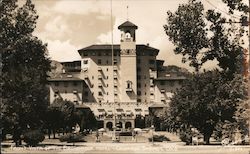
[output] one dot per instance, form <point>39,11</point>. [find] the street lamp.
<point>115,138</point>
<point>152,128</point>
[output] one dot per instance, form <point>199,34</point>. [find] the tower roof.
<point>127,24</point>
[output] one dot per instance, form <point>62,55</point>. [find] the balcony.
<point>163,91</point>
<point>115,68</point>
<point>86,76</point>
<point>163,98</point>
<point>99,77</point>
<point>115,76</point>
<point>100,85</point>
<point>129,89</point>
<point>99,69</point>
<point>151,75</point>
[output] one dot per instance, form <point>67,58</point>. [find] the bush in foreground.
<point>33,137</point>
<point>71,137</point>
<point>186,137</point>
<point>159,138</point>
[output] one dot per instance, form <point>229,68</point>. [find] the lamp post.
<point>152,128</point>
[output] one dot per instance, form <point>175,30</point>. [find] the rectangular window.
<point>65,84</point>
<point>86,93</point>
<point>162,83</point>
<point>99,61</point>
<point>138,100</point>
<point>75,83</point>
<point>138,77</point>
<point>138,69</point>
<point>56,84</point>
<point>85,62</point>
<point>99,93</point>
<point>99,54</point>
<point>139,93</point>
<point>107,62</point>
<point>138,61</point>
<point>85,54</point>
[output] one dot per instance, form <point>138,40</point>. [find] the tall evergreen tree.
<point>24,68</point>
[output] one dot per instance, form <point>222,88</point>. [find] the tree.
<point>24,68</point>
<point>206,99</point>
<point>201,36</point>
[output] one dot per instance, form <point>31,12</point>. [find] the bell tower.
<point>128,62</point>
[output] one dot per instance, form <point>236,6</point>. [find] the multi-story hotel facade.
<point>118,88</point>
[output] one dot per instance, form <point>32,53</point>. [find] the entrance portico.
<point>123,124</point>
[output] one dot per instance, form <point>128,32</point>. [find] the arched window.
<point>127,35</point>
<point>129,84</point>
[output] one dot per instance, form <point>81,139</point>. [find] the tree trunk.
<point>49,132</point>
<point>207,138</point>
<point>54,133</point>
<point>17,136</point>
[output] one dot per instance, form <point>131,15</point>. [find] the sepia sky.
<point>68,25</point>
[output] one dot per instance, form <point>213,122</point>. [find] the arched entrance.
<point>109,125</point>
<point>128,125</point>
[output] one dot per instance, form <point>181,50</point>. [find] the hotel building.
<point>125,85</point>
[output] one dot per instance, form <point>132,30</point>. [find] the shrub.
<point>71,137</point>
<point>186,137</point>
<point>33,137</point>
<point>159,138</point>
<point>125,133</point>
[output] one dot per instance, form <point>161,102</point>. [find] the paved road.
<point>130,148</point>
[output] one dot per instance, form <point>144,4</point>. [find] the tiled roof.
<point>127,24</point>
<point>115,47</point>
<point>170,78</point>
<point>65,77</point>
<point>158,105</point>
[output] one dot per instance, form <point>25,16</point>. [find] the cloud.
<point>63,51</point>
<point>70,25</point>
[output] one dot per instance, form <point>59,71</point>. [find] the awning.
<point>110,112</point>
<point>138,111</point>
<point>101,111</point>
<point>128,112</point>
<point>119,111</point>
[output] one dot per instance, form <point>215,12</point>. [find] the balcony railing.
<point>129,89</point>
